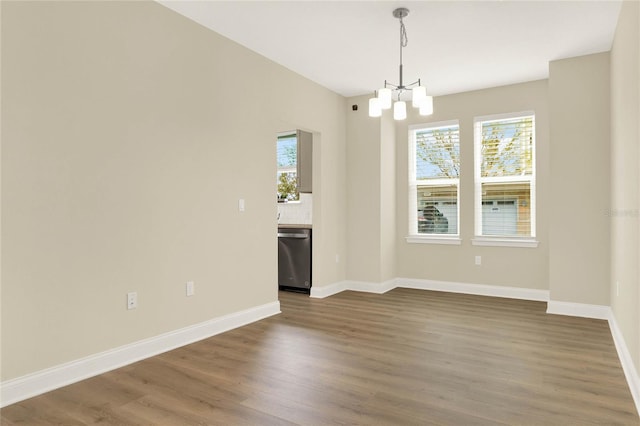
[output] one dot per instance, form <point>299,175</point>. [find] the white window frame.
<point>503,241</point>
<point>287,169</point>
<point>414,236</point>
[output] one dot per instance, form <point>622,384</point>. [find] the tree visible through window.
<point>434,180</point>
<point>287,156</point>
<point>505,176</point>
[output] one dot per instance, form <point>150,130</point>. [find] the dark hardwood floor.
<point>408,357</point>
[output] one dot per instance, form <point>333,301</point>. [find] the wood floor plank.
<point>405,357</point>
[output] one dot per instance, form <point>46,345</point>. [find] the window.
<point>505,176</point>
<point>287,154</point>
<point>434,167</point>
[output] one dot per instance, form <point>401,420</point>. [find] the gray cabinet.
<point>305,161</point>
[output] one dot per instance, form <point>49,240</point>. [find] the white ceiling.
<point>351,47</point>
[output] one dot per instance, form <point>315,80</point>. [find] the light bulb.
<point>384,95</point>
<point>426,107</point>
<point>418,95</point>
<point>374,107</point>
<point>400,110</point>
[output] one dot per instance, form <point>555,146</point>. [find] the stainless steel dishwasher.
<point>294,259</point>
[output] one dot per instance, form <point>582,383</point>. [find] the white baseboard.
<point>368,287</point>
<point>451,287</point>
<point>630,372</point>
<point>31,385</point>
<point>21,388</point>
<point>364,286</point>
<point>329,290</point>
<point>583,310</point>
<point>606,313</point>
<point>477,289</point>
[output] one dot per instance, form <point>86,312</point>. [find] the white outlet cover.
<point>132,300</point>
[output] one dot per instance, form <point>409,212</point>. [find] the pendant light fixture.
<point>385,95</point>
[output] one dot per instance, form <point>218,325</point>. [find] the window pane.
<point>288,187</point>
<point>437,153</point>
<point>437,209</point>
<point>506,209</point>
<point>287,153</point>
<point>507,147</point>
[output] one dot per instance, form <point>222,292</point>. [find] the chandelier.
<point>384,96</point>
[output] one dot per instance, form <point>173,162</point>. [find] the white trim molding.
<point>477,289</point>
<point>628,367</point>
<point>422,239</point>
<point>329,290</point>
<point>364,286</point>
<point>504,242</point>
<point>604,313</point>
<point>583,310</point>
<point>21,388</point>
<point>451,287</point>
<point>368,287</point>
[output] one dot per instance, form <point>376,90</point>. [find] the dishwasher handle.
<point>291,235</point>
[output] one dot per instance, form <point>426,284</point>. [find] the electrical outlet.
<point>478,260</point>
<point>191,290</point>
<point>241,204</point>
<point>132,300</point>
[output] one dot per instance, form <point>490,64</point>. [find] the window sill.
<point>505,242</point>
<point>423,239</point>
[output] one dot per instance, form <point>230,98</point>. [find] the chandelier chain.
<point>403,34</point>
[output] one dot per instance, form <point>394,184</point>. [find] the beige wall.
<point>128,135</point>
<point>579,134</point>
<point>363,193</point>
<point>501,266</point>
<point>371,195</point>
<point>625,203</point>
<point>388,195</point>
<point>571,263</point>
